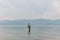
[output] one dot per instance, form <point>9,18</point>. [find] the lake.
<point>38,32</point>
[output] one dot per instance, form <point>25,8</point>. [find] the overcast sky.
<point>29,9</point>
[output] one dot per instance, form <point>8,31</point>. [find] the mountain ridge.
<point>36,21</point>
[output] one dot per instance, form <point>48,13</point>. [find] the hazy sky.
<point>29,9</point>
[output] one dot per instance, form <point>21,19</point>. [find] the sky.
<point>29,9</point>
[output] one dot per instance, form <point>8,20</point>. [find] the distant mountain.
<point>37,21</point>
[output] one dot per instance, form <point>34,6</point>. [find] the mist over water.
<point>38,32</point>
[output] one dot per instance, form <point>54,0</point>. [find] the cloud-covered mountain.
<point>37,21</point>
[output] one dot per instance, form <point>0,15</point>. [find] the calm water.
<point>38,32</point>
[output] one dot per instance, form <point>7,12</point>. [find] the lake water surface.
<point>38,32</point>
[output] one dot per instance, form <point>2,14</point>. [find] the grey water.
<point>38,32</point>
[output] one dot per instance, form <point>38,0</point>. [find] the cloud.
<point>32,9</point>
<point>5,8</point>
<point>54,12</point>
<point>29,9</point>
